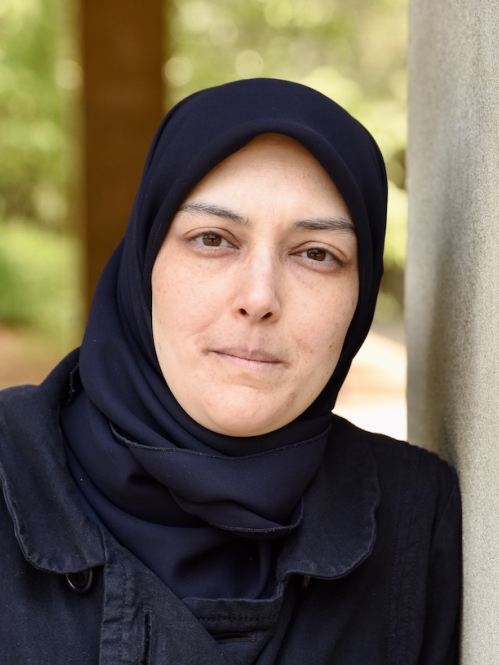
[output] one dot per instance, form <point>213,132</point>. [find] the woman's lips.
<point>249,357</point>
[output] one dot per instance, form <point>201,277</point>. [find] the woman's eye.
<point>317,254</point>
<point>212,240</point>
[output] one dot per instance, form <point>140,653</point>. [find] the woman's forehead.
<point>269,146</point>
<point>267,165</point>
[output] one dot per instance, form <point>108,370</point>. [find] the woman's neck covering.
<point>201,509</point>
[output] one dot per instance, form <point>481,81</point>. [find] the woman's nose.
<point>257,296</point>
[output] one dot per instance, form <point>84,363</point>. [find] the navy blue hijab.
<point>204,511</point>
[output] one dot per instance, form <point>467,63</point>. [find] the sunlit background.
<point>351,50</point>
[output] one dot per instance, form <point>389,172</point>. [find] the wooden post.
<point>122,55</point>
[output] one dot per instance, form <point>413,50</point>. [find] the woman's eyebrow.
<point>326,224</point>
<point>311,224</point>
<point>218,211</point>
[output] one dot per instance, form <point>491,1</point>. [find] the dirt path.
<point>25,357</point>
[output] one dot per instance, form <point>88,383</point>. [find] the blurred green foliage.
<point>352,50</point>
<point>39,279</point>
<point>33,171</point>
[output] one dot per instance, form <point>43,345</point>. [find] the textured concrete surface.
<point>452,280</point>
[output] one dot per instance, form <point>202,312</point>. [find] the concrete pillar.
<point>452,296</point>
<point>122,56</point>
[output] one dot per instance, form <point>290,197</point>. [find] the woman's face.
<point>254,289</point>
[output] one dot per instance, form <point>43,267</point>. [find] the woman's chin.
<point>241,410</point>
<point>240,425</point>
<point>243,420</point>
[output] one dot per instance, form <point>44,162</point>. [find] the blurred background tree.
<point>38,169</point>
<point>351,50</point>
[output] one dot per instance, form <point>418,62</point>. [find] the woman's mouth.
<point>249,358</point>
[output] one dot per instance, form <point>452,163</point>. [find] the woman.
<point>178,491</point>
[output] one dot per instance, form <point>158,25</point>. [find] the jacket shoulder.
<point>420,466</point>
<point>394,458</point>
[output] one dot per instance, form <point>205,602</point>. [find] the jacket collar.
<point>337,532</point>
<point>50,525</point>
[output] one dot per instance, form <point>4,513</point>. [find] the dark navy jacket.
<point>371,576</point>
